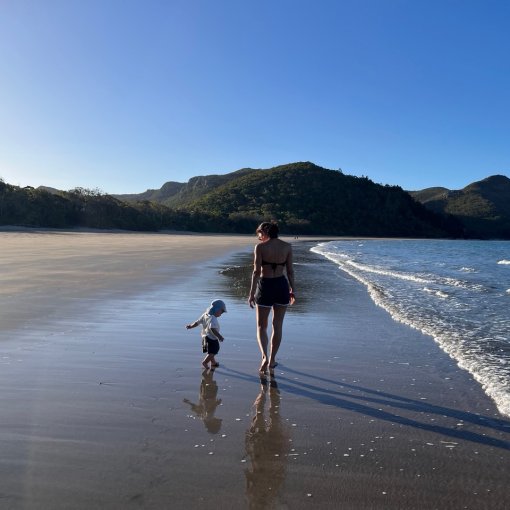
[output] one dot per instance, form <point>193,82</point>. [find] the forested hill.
<point>306,198</point>
<point>483,207</point>
<point>178,194</point>
<point>302,197</point>
<point>46,207</point>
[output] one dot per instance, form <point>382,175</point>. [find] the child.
<point>211,336</point>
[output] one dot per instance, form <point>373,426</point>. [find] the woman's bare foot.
<point>273,365</point>
<point>263,367</point>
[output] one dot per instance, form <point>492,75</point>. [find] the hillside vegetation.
<point>80,207</point>
<point>309,199</point>
<point>177,194</point>
<point>483,207</point>
<point>304,198</point>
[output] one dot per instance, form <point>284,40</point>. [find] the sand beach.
<point>105,403</point>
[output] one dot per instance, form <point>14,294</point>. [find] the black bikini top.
<point>274,264</point>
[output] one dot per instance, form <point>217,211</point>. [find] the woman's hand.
<point>251,301</point>
<point>292,298</point>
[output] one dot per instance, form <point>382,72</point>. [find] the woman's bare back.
<point>274,257</point>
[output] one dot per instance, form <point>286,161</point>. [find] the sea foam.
<point>473,331</point>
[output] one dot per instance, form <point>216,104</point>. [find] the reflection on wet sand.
<point>207,402</point>
<point>267,447</point>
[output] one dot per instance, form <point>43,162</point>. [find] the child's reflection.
<point>267,446</point>
<point>207,402</point>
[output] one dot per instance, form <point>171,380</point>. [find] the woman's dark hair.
<point>270,229</point>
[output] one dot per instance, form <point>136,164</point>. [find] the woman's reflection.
<point>207,402</point>
<point>267,447</point>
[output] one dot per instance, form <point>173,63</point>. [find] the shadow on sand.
<point>360,403</point>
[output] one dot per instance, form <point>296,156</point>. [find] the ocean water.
<point>456,291</point>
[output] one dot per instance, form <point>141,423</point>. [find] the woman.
<point>270,288</point>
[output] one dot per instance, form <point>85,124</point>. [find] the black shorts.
<point>210,345</point>
<point>272,291</point>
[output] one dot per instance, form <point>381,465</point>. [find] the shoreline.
<point>108,406</point>
<point>304,237</point>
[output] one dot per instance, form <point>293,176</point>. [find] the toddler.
<point>211,336</point>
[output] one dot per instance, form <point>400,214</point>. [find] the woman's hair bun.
<point>269,228</point>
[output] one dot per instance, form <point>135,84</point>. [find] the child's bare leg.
<point>207,359</point>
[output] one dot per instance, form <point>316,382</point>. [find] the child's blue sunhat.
<point>216,306</point>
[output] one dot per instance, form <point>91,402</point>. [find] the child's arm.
<point>192,325</point>
<point>217,334</point>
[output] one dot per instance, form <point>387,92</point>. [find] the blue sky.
<point>124,95</point>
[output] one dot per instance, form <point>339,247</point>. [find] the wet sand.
<point>105,404</point>
<point>42,271</point>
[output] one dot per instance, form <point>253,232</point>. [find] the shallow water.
<point>456,291</point>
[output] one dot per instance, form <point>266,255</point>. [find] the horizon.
<point>124,97</point>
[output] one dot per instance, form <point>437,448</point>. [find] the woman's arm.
<point>257,268</point>
<point>290,275</point>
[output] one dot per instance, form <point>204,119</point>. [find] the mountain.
<point>305,198</point>
<point>483,207</point>
<point>177,194</point>
<point>53,191</point>
<point>166,192</point>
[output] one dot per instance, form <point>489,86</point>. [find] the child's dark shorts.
<point>210,345</point>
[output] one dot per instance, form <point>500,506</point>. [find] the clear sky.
<point>124,95</point>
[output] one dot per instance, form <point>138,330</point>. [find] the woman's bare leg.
<point>276,336</point>
<point>262,320</point>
